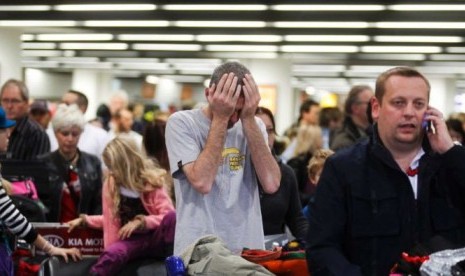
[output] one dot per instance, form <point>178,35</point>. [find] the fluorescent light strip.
<point>194,60</point>
<point>321,24</point>
<point>38,45</point>
<point>420,25</point>
<point>217,7</point>
<point>400,49</point>
<point>418,39</point>
<point>246,38</point>
<point>133,60</point>
<point>106,7</point>
<point>395,56</point>
<point>71,37</point>
<point>144,66</point>
<point>457,50</point>
<point>319,48</point>
<point>328,7</point>
<point>241,48</point>
<point>40,64</point>
<point>166,47</point>
<point>433,7</point>
<point>25,8</point>
<point>318,68</point>
<point>157,37</point>
<point>451,57</point>
<point>126,23</point>
<point>221,24</point>
<point>43,53</point>
<point>75,59</point>
<point>370,68</point>
<point>37,23</point>
<point>27,37</point>
<point>329,38</point>
<point>94,46</point>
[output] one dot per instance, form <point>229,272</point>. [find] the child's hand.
<point>127,230</point>
<point>75,223</point>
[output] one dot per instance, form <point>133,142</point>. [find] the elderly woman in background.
<point>282,208</point>
<point>15,222</point>
<point>75,176</point>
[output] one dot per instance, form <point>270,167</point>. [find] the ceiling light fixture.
<point>25,8</point>
<point>93,46</point>
<point>37,23</point>
<point>420,7</point>
<point>418,39</point>
<point>319,48</point>
<point>217,7</point>
<point>71,37</point>
<point>106,7</point>
<point>126,23</point>
<point>245,38</point>
<point>41,53</point>
<point>27,37</point>
<point>401,49</point>
<point>321,24</point>
<point>38,45</point>
<point>328,7</point>
<point>329,38</point>
<point>241,48</point>
<point>166,47</point>
<point>156,37</point>
<point>420,25</point>
<point>456,50</point>
<point>221,24</point>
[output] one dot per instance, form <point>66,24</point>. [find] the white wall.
<point>10,54</point>
<point>46,85</point>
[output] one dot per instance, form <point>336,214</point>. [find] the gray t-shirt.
<point>231,210</point>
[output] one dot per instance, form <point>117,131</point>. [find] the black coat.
<point>365,214</point>
<point>90,177</point>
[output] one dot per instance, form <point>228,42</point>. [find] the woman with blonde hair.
<point>309,139</point>
<point>138,217</point>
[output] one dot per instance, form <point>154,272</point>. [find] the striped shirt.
<point>14,220</point>
<point>27,141</point>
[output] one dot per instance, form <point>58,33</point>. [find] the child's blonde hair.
<point>317,161</point>
<point>131,169</point>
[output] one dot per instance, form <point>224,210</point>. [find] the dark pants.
<point>156,243</point>
<point>6,263</point>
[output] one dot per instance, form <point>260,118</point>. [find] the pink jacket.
<point>157,203</point>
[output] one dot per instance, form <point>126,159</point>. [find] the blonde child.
<point>315,167</point>
<point>138,217</point>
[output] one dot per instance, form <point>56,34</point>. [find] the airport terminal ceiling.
<point>326,41</point>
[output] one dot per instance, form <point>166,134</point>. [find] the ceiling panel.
<point>322,33</point>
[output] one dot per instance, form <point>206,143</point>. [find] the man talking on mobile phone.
<point>385,195</point>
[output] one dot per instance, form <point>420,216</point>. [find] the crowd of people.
<point>359,185</point>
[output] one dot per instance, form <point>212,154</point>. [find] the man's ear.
<point>375,106</point>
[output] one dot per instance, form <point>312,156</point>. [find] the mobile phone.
<point>428,126</point>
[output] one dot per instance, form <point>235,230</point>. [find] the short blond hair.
<point>317,161</point>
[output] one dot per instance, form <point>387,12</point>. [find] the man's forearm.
<point>266,167</point>
<point>202,172</point>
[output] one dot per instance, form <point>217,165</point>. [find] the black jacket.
<point>365,214</point>
<point>347,136</point>
<point>90,178</point>
<point>283,208</point>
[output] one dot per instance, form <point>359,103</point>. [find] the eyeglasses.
<point>6,101</point>
<point>72,133</point>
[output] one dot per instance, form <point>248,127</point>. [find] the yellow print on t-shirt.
<point>235,158</point>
